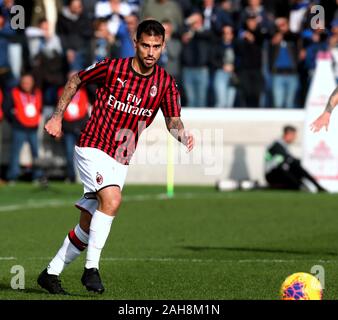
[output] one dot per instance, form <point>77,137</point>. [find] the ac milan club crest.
<point>153,91</point>
<point>99,178</point>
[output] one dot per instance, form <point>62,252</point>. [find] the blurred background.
<point>244,70</point>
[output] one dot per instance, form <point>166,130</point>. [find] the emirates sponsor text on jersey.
<point>129,106</point>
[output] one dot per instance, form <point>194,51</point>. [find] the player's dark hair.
<point>289,128</point>
<point>151,28</point>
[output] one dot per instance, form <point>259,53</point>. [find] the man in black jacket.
<point>249,54</point>
<point>282,170</point>
<point>75,30</point>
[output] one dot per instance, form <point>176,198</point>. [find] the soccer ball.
<point>301,286</point>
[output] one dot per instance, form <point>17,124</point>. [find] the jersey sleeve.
<point>96,73</point>
<point>171,102</point>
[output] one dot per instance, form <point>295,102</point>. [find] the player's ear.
<point>135,43</point>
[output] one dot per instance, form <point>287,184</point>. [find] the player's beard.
<point>145,65</point>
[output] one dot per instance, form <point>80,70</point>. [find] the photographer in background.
<point>283,171</point>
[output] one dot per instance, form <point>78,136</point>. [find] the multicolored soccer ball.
<point>301,286</point>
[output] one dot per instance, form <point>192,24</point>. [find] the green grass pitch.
<point>201,244</point>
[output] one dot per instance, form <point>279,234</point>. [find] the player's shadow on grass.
<point>259,250</point>
<point>6,287</point>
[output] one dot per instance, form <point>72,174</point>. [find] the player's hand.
<point>54,127</point>
<point>188,140</point>
<point>322,121</point>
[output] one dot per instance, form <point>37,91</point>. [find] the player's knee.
<point>111,205</point>
<point>109,200</point>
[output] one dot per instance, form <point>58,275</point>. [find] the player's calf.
<point>109,202</point>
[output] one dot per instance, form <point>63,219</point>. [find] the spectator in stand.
<point>6,32</point>
<point>75,31</point>
<point>249,54</point>
<point>333,43</point>
<point>277,8</point>
<point>5,8</point>
<point>14,45</point>
<point>186,7</point>
<point>336,11</point>
<point>224,16</point>
<point>171,55</point>
<point>284,53</point>
<point>23,108</point>
<point>210,14</point>
<point>164,10</point>
<point>196,61</point>
<point>89,8</point>
<point>114,11</point>
<point>126,35</point>
<point>223,61</point>
<point>119,44</point>
<point>105,9</point>
<point>103,42</point>
<point>74,120</point>
<point>46,57</point>
<point>49,12</point>
<point>255,8</point>
<point>298,15</point>
<point>135,5</point>
<point>314,41</point>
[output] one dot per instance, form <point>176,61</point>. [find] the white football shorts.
<point>97,171</point>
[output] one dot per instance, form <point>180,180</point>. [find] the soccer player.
<point>324,119</point>
<point>130,92</point>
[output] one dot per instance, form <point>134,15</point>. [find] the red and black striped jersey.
<point>126,103</point>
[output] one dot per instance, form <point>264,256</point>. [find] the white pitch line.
<point>194,260</point>
<point>186,260</point>
<point>33,204</point>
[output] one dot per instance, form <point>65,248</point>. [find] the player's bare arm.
<point>324,119</point>
<point>176,128</point>
<point>54,124</point>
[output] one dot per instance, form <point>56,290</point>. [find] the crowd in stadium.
<point>223,54</point>
<point>231,53</point>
